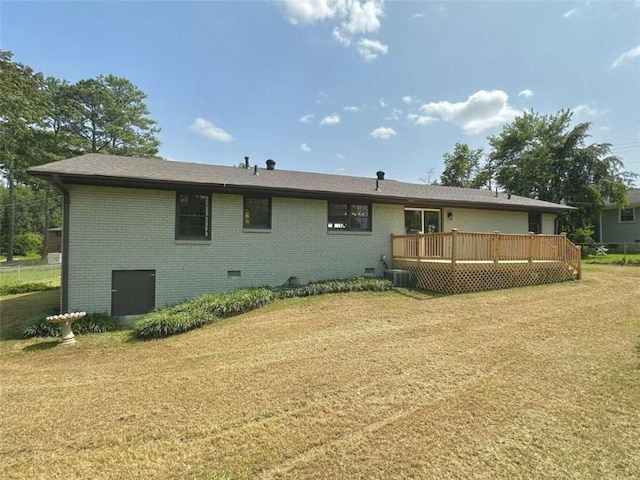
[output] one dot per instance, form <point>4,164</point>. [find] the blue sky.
<point>346,86</point>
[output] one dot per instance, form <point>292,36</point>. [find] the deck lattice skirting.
<point>460,262</point>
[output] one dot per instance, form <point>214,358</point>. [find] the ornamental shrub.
<point>199,312</point>
<point>38,326</point>
<point>209,308</point>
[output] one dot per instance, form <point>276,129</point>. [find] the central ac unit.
<point>399,278</point>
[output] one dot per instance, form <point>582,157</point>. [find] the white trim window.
<point>627,215</point>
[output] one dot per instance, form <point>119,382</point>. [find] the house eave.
<point>374,197</point>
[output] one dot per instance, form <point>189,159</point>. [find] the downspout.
<point>64,283</point>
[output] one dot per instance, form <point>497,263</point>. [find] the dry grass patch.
<point>534,382</point>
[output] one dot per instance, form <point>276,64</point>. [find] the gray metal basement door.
<point>133,292</point>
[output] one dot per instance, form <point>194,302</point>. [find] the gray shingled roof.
<point>634,199</point>
<point>92,168</point>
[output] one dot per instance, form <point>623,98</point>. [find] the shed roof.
<point>112,170</point>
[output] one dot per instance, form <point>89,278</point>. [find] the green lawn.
<point>535,382</point>
<point>15,309</point>
<point>615,259</point>
<point>39,273</point>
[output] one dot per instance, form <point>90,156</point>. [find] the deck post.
<point>454,246</point>
<point>420,246</point>
<point>564,246</point>
<point>531,236</point>
<point>393,247</point>
<point>496,247</point>
<point>579,262</point>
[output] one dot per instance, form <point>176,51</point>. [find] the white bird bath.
<point>65,320</point>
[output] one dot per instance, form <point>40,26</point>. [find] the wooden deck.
<point>458,262</point>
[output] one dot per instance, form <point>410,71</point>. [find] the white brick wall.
<point>132,229</point>
<point>120,229</point>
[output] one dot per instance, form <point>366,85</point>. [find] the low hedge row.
<point>198,312</point>
<point>25,287</point>
<point>38,326</point>
<point>337,286</point>
<point>209,308</point>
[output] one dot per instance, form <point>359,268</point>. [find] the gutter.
<point>374,197</point>
<point>64,283</point>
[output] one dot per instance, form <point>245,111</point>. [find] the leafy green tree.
<point>462,168</point>
<point>22,105</point>
<point>545,157</point>
<point>111,117</point>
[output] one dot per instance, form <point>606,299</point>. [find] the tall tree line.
<point>45,119</point>
<point>548,158</point>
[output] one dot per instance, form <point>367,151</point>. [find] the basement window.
<point>349,216</point>
<point>193,217</point>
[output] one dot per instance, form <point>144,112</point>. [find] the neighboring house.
<point>54,240</point>
<point>620,227</point>
<point>140,233</point>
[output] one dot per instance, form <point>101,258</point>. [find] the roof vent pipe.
<point>246,163</point>
<point>271,165</point>
<point>380,175</point>
<point>377,185</point>
<point>255,170</point>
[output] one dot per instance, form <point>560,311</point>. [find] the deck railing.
<point>497,247</point>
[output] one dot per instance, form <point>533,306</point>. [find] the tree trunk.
<point>47,224</point>
<point>12,214</point>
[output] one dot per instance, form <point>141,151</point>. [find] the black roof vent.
<point>380,175</point>
<point>246,162</point>
<point>271,165</point>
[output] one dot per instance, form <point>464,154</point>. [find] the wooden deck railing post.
<point>579,262</point>
<point>420,247</point>
<point>531,238</point>
<point>496,246</point>
<point>454,246</point>
<point>565,246</point>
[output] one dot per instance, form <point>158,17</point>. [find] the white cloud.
<point>482,110</point>
<point>417,15</point>
<point>587,111</point>
<point>357,16</point>
<point>364,17</point>
<point>570,13</point>
<point>306,118</point>
<point>636,4</point>
<point>626,56</point>
<point>310,11</point>
<point>395,114</point>
<point>526,93</point>
<point>208,129</point>
<point>340,37</point>
<point>371,49</point>
<point>340,156</point>
<point>305,148</point>
<point>331,120</point>
<point>605,129</point>
<point>408,99</point>
<point>383,132</point>
<point>351,108</point>
<point>382,103</point>
<point>354,17</point>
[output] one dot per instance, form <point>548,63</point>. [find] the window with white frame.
<point>627,215</point>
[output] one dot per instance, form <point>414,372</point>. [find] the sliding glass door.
<point>421,220</point>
